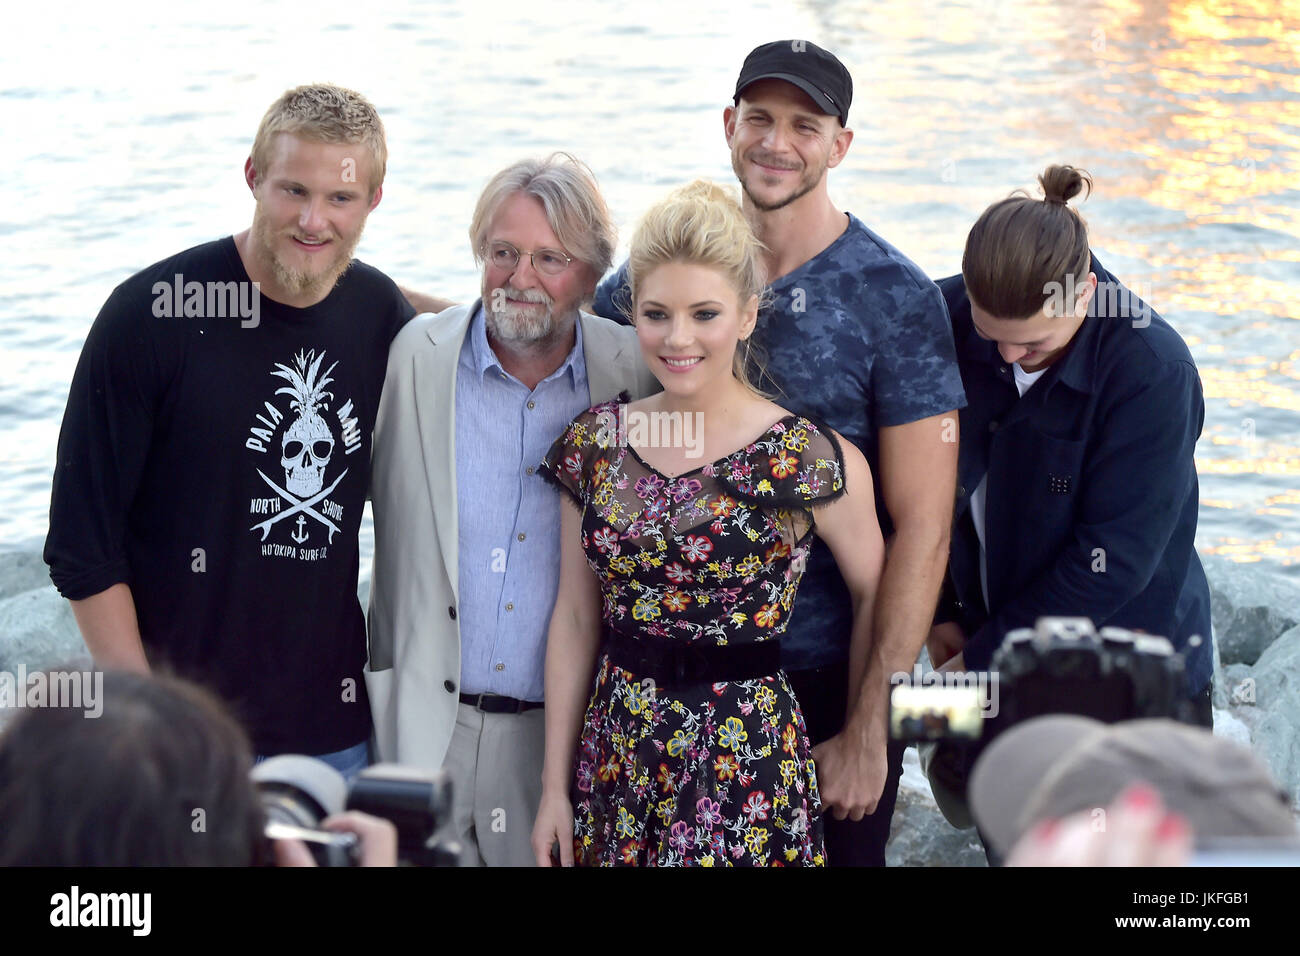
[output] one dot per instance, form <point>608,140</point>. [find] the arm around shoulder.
<point>423,302</point>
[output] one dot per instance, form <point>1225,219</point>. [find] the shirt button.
<point>1003,370</point>
<point>510,605</point>
<point>520,536</point>
<point>450,686</point>
<point>503,374</point>
<point>501,666</point>
<point>528,470</point>
<point>451,612</point>
<point>531,403</point>
<point>958,605</point>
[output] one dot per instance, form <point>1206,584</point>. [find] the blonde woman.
<point>695,511</point>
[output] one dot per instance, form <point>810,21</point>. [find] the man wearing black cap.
<point>858,337</point>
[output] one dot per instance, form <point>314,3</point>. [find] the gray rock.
<point>37,629</point>
<point>1250,607</point>
<point>919,835</point>
<point>1227,726</point>
<point>1276,722</point>
<point>1238,687</point>
<point>1278,744</point>
<point>22,571</point>
<point>1277,674</point>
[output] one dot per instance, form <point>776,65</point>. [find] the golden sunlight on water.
<point>1250,552</point>
<point>1210,142</point>
<point>1186,113</point>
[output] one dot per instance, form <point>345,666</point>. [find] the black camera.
<point>1060,666</point>
<point>299,792</point>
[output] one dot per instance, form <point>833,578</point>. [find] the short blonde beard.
<point>296,283</point>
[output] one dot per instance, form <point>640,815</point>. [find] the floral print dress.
<point>706,774</point>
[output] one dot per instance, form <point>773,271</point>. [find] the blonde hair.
<point>575,209</point>
<point>323,114</point>
<point>704,224</point>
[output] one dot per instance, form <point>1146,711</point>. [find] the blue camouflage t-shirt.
<point>857,338</point>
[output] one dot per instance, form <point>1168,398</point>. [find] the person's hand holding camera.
<point>378,841</point>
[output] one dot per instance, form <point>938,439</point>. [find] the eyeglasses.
<point>550,262</point>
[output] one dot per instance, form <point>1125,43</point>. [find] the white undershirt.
<point>1024,381</point>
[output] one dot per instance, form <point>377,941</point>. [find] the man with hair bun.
<point>1077,489</point>
<point>214,457</point>
<point>466,532</point>
<point>856,335</point>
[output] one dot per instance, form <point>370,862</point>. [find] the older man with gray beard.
<point>467,554</point>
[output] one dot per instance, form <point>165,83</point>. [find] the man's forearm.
<point>909,589</point>
<point>421,302</point>
<point>111,630</point>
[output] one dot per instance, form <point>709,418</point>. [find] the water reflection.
<point>1187,113</point>
<point>1213,129</point>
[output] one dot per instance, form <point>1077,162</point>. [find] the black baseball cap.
<point>807,66</point>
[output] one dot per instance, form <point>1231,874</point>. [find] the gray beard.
<point>525,331</point>
<point>517,328</point>
<point>532,340</point>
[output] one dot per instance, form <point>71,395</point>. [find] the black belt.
<point>496,704</point>
<point>670,662</point>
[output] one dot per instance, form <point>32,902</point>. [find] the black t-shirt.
<point>215,456</point>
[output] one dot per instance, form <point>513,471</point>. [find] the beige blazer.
<point>413,675</point>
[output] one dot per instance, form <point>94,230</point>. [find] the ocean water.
<point>126,128</point>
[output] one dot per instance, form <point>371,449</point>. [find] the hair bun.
<point>1062,183</point>
<point>1020,245</point>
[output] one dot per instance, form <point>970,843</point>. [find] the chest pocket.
<point>1032,471</point>
<point>1033,500</point>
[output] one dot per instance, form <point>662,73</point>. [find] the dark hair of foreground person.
<point>160,778</point>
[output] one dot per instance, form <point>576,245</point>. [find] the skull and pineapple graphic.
<point>307,447</point>
<point>307,443</point>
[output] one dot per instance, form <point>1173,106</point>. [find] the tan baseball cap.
<point>1057,765</point>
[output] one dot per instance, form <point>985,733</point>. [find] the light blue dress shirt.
<point>509,516</point>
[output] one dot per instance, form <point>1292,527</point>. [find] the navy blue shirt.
<point>856,338</point>
<point>1092,493</point>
